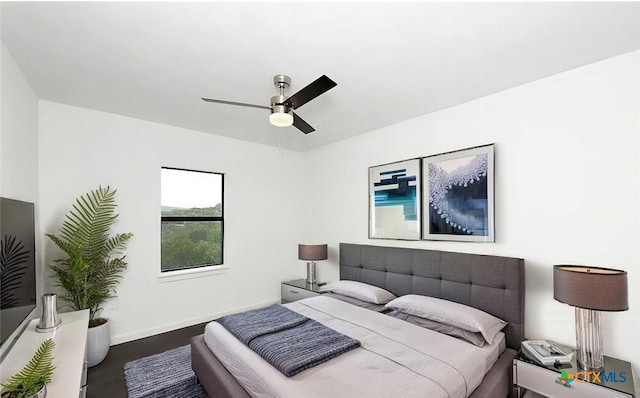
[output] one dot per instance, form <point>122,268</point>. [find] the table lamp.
<point>312,253</point>
<point>590,290</point>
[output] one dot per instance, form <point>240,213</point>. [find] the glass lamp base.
<point>589,349</point>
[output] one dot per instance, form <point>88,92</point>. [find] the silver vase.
<point>49,321</point>
<point>42,393</point>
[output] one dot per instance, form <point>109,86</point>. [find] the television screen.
<point>17,265</point>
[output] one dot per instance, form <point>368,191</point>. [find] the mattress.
<point>395,358</point>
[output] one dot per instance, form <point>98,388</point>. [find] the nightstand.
<point>616,381</point>
<point>298,289</point>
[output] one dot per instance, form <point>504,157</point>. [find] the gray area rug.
<point>162,375</point>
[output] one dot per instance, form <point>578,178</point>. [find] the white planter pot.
<point>98,342</point>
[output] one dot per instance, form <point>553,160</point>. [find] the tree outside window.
<point>192,219</point>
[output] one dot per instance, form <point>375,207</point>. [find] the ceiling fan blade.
<point>302,125</point>
<point>312,90</point>
<point>235,103</point>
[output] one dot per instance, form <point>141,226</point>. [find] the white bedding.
<point>396,358</point>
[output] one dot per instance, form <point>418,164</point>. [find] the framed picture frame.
<point>395,200</point>
<point>459,195</point>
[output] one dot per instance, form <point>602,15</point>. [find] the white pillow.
<point>359,290</point>
<point>450,313</point>
<point>475,338</point>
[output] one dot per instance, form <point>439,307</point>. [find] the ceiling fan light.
<point>280,118</point>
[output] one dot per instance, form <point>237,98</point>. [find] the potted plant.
<point>32,380</point>
<point>93,265</point>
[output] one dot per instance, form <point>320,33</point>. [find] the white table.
<point>69,377</point>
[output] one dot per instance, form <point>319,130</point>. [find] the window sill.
<point>172,276</point>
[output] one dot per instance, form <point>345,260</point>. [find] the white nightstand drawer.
<point>292,293</point>
<point>543,381</point>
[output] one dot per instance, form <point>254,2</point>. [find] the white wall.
<point>81,149</point>
<point>18,134</point>
<point>567,185</point>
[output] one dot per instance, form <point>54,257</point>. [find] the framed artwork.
<point>458,195</point>
<point>394,200</point>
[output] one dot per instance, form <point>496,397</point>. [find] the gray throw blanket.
<point>287,340</point>
<point>248,325</point>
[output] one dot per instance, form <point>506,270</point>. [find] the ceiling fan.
<point>282,107</point>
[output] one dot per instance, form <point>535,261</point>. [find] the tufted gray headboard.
<point>490,283</point>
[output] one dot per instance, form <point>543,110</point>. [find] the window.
<point>192,219</point>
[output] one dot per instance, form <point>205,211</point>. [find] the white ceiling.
<point>392,61</point>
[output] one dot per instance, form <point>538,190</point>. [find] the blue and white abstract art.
<point>459,195</point>
<point>394,200</point>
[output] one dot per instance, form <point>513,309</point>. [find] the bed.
<point>490,283</point>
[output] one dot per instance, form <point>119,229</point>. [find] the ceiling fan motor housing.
<point>278,102</point>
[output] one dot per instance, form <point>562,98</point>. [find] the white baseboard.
<point>123,338</point>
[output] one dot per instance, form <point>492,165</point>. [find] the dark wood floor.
<point>107,379</point>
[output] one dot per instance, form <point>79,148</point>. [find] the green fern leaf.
<point>37,371</point>
<point>89,275</point>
